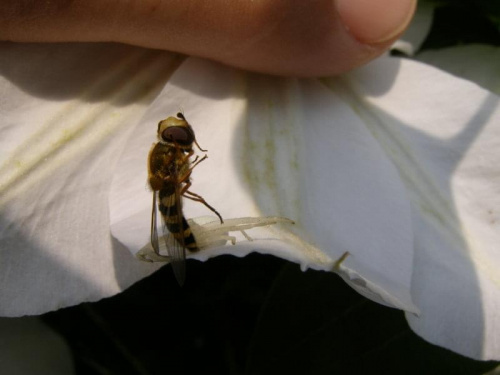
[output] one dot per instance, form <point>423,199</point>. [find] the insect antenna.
<point>196,143</point>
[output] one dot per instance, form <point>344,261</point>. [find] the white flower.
<point>395,163</point>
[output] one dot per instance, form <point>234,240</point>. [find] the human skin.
<point>283,37</point>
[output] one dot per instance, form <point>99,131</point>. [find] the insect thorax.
<point>167,163</point>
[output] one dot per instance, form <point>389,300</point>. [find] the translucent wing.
<point>173,230</point>
<point>154,231</point>
<point>172,241</point>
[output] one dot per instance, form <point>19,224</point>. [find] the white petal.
<point>66,111</point>
<point>475,62</point>
<point>443,135</point>
<point>281,147</point>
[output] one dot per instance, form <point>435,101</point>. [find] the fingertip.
<point>323,37</point>
<point>376,22</point>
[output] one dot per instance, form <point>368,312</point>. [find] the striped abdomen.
<point>174,219</point>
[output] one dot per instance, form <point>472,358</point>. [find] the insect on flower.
<point>169,172</point>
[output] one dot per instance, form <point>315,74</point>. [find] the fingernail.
<point>376,21</point>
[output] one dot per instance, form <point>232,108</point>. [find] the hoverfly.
<point>169,172</point>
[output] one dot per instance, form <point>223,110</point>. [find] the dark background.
<point>257,315</point>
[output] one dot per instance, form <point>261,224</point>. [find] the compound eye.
<point>178,134</point>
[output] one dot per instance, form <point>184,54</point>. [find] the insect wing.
<point>173,234</point>
<point>168,243</point>
<point>154,230</point>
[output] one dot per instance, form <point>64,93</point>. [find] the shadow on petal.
<point>444,149</point>
<point>90,72</point>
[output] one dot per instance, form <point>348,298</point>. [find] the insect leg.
<point>196,143</point>
<point>184,178</point>
<point>196,162</point>
<point>186,175</point>
<point>187,156</point>
<point>198,198</point>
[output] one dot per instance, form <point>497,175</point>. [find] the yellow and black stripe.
<point>177,226</point>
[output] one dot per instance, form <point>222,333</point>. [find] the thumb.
<point>284,37</point>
